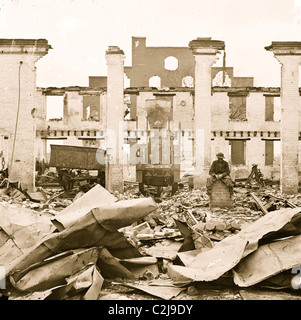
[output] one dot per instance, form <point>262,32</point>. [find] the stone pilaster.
<point>115,117</point>
<point>17,93</point>
<point>204,51</point>
<point>289,56</point>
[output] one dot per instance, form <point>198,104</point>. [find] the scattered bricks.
<point>218,225</point>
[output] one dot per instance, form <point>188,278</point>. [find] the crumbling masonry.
<point>214,111</point>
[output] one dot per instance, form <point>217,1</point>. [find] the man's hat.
<point>220,155</point>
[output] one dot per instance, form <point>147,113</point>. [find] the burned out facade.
<point>240,120</point>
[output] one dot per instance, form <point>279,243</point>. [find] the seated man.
<point>219,170</point>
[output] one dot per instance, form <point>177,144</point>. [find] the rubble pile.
<point>48,177</point>
<point>74,245</point>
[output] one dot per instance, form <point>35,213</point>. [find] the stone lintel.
<point>26,46</point>
<point>206,46</point>
<point>285,47</point>
<point>114,50</point>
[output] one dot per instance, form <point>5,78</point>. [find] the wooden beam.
<point>259,203</point>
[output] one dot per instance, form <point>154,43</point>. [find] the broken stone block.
<point>234,226</point>
<point>220,226</point>
<point>214,224</point>
<point>210,225</point>
<point>220,196</point>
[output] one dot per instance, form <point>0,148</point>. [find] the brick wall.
<point>149,61</point>
<point>18,92</point>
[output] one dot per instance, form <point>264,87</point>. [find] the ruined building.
<point>211,108</point>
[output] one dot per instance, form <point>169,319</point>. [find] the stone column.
<point>289,56</point>
<point>18,102</point>
<point>115,118</point>
<point>204,51</point>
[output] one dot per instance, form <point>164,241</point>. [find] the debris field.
<point>89,244</point>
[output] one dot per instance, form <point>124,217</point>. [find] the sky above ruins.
<point>80,31</point>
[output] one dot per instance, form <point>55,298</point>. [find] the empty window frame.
<point>238,107</point>
<point>221,79</point>
<point>272,152</point>
<point>54,107</point>
<point>171,63</point>
<point>237,152</point>
<point>155,82</point>
<point>272,108</point>
<point>188,82</point>
<point>91,108</point>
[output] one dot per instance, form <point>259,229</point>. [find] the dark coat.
<point>218,167</point>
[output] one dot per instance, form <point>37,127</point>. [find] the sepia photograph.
<point>150,153</point>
